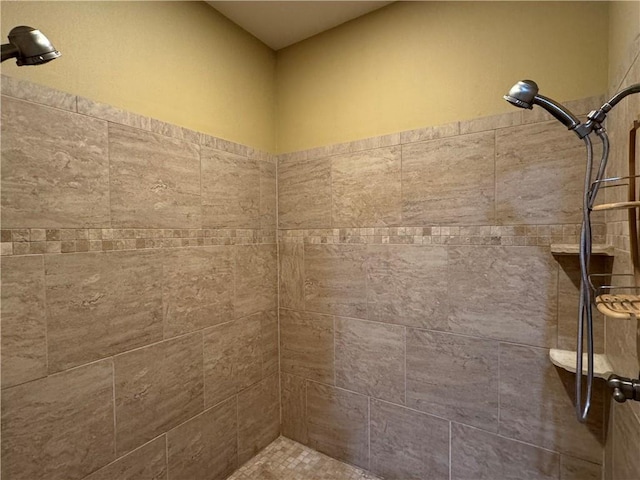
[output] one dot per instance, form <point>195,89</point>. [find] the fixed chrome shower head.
<point>28,46</point>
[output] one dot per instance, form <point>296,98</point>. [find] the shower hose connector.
<point>624,388</point>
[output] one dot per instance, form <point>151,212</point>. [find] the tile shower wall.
<point>622,347</point>
<point>419,300</point>
<point>139,335</point>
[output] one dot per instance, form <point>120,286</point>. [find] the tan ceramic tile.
<point>232,357</point>
<point>430,133</point>
<point>157,388</point>
<point>306,345</point>
<point>256,279</point>
<point>205,446</point>
<point>366,189</point>
<point>626,438</point>
<point>539,175</point>
<point>407,284</point>
<point>504,293</point>
<point>268,198</point>
<point>449,181</point>
<point>408,445</point>
<point>293,402</point>
<point>230,190</point>
<point>59,427</point>
<point>24,347</point>
<point>291,258</point>
<point>112,114</point>
<point>491,123</point>
<point>269,342</point>
<point>304,193</point>
<point>539,409</point>
<point>575,469</point>
<point>197,288</point>
<point>370,358</point>
<point>337,422</point>
<point>55,168</point>
<point>481,455</point>
<point>439,362</point>
<point>335,280</point>
<point>175,131</point>
<point>148,462</point>
<point>154,180</point>
<point>258,417</point>
<point>14,87</point>
<point>119,291</point>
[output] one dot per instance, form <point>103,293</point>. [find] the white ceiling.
<point>280,24</point>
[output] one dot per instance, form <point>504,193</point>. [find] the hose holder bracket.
<point>624,388</point>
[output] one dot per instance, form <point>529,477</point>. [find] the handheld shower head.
<point>28,46</point>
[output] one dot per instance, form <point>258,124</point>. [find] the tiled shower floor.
<point>285,459</point>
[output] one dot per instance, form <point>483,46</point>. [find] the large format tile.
<point>539,175</point>
<point>258,417</point>
<point>230,190</point>
<point>505,293</point>
<point>536,405</point>
<point>335,280</point>
<point>407,285</point>
<point>256,279</point>
<point>120,292</point>
<point>157,388</point>
<point>478,455</point>
<point>205,447</point>
<point>293,393</point>
<point>306,345</point>
<point>572,468</point>
<point>232,357</point>
<point>366,188</point>
<point>269,342</point>
<point>626,438</point>
<point>154,180</point>
<point>197,288</point>
<point>408,445</point>
<point>59,427</point>
<point>24,345</point>
<point>55,168</point>
<point>370,358</point>
<point>148,462</point>
<point>25,90</point>
<point>438,363</point>
<point>337,423</point>
<point>304,193</point>
<point>449,181</point>
<point>291,258</point>
<point>268,198</point>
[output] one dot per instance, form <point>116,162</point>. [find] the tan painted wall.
<point>415,64</point>
<point>140,56</point>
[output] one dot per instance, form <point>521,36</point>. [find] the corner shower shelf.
<point>616,206</point>
<point>574,249</point>
<point>619,305</point>
<point>566,359</point>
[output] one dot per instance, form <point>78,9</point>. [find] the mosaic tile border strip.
<point>513,235</point>
<point>32,241</point>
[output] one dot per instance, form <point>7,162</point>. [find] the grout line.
<point>115,423</point>
<point>450,446</point>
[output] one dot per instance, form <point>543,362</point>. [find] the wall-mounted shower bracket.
<point>624,388</point>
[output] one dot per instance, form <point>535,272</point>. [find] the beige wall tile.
<point>269,333</point>
<point>256,279</point>
<point>575,469</point>
<point>148,462</point>
<point>505,293</point>
<point>366,188</point>
<point>154,180</point>
<point>407,285</point>
<point>478,455</point>
<point>24,345</point>
<point>449,181</point>
<point>337,422</point>
<point>430,133</point>
<point>439,363</point>
<point>55,168</point>
<point>291,258</point>
<point>197,288</point>
<point>304,193</point>
<point>112,114</point>
<point>205,446</point>
<point>536,405</point>
<point>119,291</point>
<point>539,175</point>
<point>626,438</point>
<point>230,190</point>
<point>59,427</point>
<point>268,197</point>
<point>14,87</point>
<point>408,445</point>
<point>258,417</point>
<point>293,403</point>
<point>233,357</point>
<point>370,358</point>
<point>157,388</point>
<point>335,279</point>
<point>491,123</point>
<point>306,345</point>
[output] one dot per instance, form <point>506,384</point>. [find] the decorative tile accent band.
<point>509,235</point>
<point>30,241</point>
